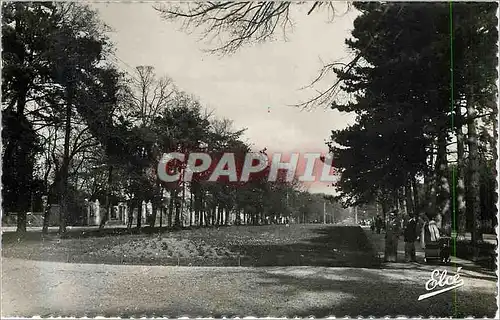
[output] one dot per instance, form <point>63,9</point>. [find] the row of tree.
<point>76,126</point>
<point>422,83</point>
<point>425,98</point>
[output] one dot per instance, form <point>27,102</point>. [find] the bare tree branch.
<point>327,97</point>
<point>240,23</point>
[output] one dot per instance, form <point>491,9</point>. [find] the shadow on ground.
<point>339,293</point>
<point>335,246</point>
<point>375,295</point>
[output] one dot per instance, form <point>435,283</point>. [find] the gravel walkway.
<point>44,288</point>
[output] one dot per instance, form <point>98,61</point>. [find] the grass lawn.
<point>271,245</point>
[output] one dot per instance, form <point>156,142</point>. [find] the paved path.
<point>43,288</point>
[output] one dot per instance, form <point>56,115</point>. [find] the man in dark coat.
<point>392,234</point>
<point>378,223</point>
<point>410,236</point>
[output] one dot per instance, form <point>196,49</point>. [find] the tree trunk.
<point>130,215</point>
<point>201,210</point>
<point>460,214</point>
<point>409,199</point>
<point>400,200</point>
<point>220,214</point>
<point>108,200</point>
<point>22,153</point>
<point>206,217</point>
<point>213,213</point>
<point>196,208</point>
<point>237,220</point>
<point>177,213</point>
<point>228,212</point>
<point>474,184</point>
<point>441,182</point>
<point>495,171</point>
<point>46,217</point>
<point>395,200</point>
<point>385,209</point>
<point>429,187</point>
<point>199,217</point>
<point>182,204</point>
<point>198,204</point>
<point>139,215</point>
<point>162,209</point>
<point>415,192</point>
<point>191,209</point>
<point>52,194</point>
<point>21,221</point>
<point>63,208</point>
<point>153,215</point>
<point>171,208</point>
<point>217,215</point>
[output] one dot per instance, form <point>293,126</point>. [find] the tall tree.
<point>402,98</point>
<point>26,34</point>
<point>475,43</point>
<point>80,46</point>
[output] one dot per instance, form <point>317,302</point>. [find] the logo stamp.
<point>244,167</point>
<point>440,279</point>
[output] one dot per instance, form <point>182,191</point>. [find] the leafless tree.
<point>148,95</point>
<point>244,23</point>
<point>224,130</point>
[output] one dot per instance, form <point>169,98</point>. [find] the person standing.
<point>434,233</point>
<point>423,224</point>
<point>378,224</point>
<point>410,236</point>
<point>430,233</point>
<point>392,237</point>
<point>439,221</point>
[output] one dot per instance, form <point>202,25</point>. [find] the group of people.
<point>424,228</point>
<point>377,224</point>
<point>430,231</point>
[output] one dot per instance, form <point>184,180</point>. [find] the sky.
<point>256,86</point>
